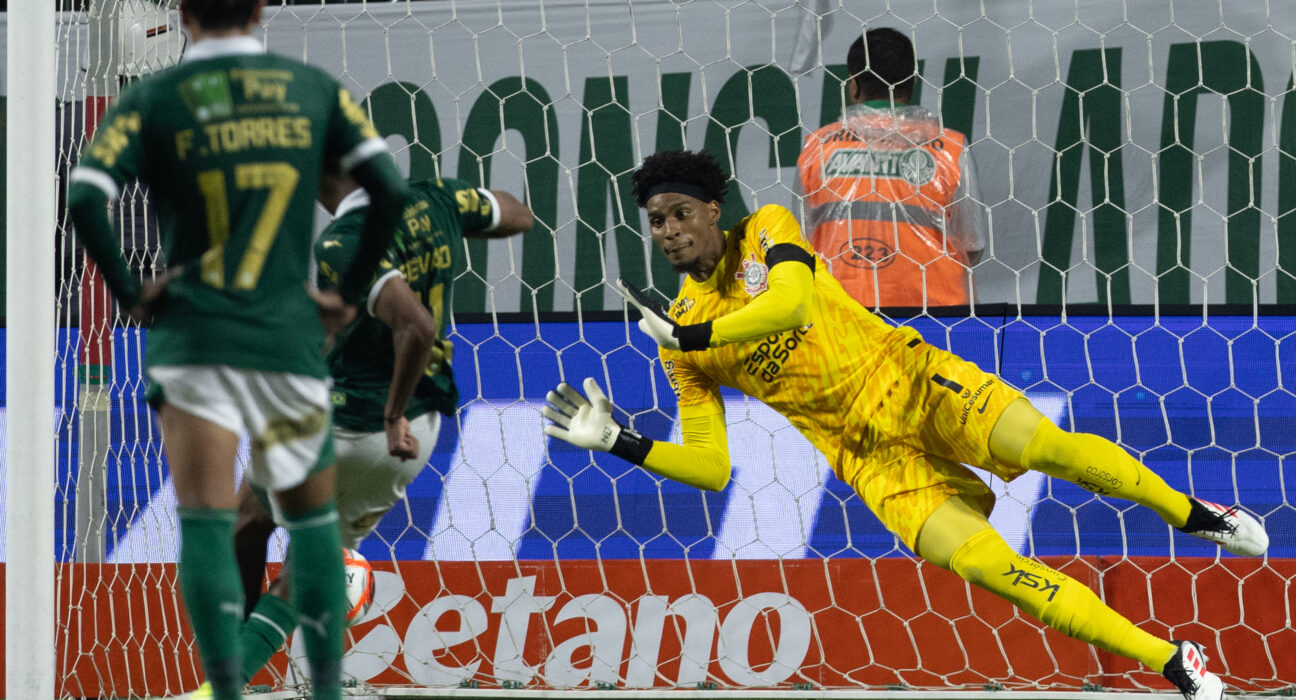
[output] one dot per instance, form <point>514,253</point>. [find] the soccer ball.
<point>359,585</point>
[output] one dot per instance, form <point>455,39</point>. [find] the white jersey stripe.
<point>496,215</point>
<point>376,290</point>
<point>96,178</point>
<point>366,150</point>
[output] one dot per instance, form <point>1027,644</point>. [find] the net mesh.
<point>1135,159</point>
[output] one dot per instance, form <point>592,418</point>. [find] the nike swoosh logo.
<point>984,403</point>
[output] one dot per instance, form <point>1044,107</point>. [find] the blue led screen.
<point>1207,404</point>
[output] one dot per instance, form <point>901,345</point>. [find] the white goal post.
<point>28,545</point>
<point>1138,170</point>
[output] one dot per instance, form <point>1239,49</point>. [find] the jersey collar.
<point>223,46</point>
<point>356,199</point>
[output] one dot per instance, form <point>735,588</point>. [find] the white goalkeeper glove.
<point>658,326</point>
<point>588,423</point>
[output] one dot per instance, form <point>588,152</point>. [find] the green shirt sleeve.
<point>114,157</point>
<point>476,208</point>
<point>352,139</point>
<point>336,249</point>
<point>355,148</point>
<point>333,252</point>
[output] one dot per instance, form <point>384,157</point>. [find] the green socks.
<point>213,595</point>
<point>270,623</point>
<point>319,594</point>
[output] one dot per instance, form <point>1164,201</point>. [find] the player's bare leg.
<point>1024,437</point>
<point>959,538</point>
<point>253,527</point>
<point>201,455</point>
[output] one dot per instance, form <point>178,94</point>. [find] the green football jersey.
<point>426,252</point>
<point>230,144</point>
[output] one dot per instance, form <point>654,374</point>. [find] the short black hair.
<point>700,170</point>
<point>880,61</point>
<point>220,14</point>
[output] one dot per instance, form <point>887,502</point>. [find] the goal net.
<point>1137,167</point>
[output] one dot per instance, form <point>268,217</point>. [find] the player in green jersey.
<point>231,144</point>
<point>391,371</point>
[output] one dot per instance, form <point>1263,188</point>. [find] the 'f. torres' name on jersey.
<point>233,135</point>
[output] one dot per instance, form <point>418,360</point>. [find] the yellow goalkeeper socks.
<point>1101,466</point>
<point>1055,599</point>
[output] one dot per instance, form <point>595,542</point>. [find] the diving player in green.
<point>391,369</point>
<point>231,144</point>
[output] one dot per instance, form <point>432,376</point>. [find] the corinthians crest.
<point>754,274</point>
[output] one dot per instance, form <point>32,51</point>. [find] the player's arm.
<point>508,216</point>
<point>387,190</point>
<point>357,150</point>
<point>784,305</point>
<point>414,335</point>
<point>111,160</point>
<point>702,461</point>
<point>484,213</point>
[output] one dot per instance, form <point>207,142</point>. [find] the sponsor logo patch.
<point>913,165</point>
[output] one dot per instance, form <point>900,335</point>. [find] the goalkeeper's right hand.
<point>656,324</point>
<point>588,423</point>
<point>653,319</point>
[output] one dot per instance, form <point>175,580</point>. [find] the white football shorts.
<point>286,416</point>
<point>370,481</point>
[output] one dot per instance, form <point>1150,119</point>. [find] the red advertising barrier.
<point>828,623</point>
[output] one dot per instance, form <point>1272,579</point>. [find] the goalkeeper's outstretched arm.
<point>702,461</point>
<point>782,307</point>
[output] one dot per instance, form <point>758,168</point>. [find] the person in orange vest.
<point>890,195</point>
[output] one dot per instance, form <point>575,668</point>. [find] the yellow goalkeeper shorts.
<point>935,416</point>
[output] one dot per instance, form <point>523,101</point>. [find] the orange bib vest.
<point>877,190</point>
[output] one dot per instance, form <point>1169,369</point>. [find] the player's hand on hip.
<point>655,323</point>
<point>153,297</point>
<point>400,442</point>
<point>334,313</point>
<point>583,422</point>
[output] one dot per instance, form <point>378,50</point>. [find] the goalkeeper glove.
<point>588,423</point>
<point>658,326</point>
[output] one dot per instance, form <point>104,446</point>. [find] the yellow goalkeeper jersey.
<point>827,377</point>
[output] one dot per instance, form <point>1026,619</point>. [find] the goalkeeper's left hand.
<point>658,326</point>
<point>588,423</point>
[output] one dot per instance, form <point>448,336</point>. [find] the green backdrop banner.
<point>1142,156</point>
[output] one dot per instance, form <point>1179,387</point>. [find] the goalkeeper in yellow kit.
<point>897,418</point>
